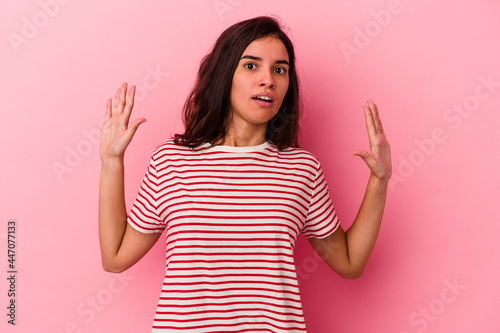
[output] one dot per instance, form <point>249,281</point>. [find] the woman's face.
<point>260,82</point>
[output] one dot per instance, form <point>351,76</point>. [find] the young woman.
<point>233,192</point>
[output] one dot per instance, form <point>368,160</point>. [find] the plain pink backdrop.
<point>427,65</point>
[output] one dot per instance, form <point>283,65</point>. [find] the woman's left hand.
<point>379,161</point>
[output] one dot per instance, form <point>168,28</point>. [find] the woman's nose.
<point>267,79</point>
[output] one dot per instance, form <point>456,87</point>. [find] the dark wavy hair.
<point>207,108</point>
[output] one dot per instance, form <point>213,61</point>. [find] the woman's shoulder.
<point>169,147</point>
<point>297,153</point>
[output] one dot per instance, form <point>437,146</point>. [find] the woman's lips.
<point>262,102</point>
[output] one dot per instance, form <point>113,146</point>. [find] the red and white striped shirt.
<point>232,216</point>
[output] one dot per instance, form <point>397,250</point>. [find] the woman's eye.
<point>280,70</point>
<point>250,66</point>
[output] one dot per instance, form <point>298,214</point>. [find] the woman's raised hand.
<point>379,161</point>
<point>116,132</point>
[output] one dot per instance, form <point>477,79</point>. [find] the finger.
<point>370,127</point>
<point>118,92</point>
<point>376,117</point>
<point>120,98</point>
<point>107,114</point>
<point>130,101</point>
<point>129,104</point>
<point>116,99</point>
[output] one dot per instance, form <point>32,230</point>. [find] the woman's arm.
<point>347,252</point>
<point>121,245</point>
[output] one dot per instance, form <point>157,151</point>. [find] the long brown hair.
<point>207,108</point>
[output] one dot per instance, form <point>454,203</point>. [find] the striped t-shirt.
<point>232,216</point>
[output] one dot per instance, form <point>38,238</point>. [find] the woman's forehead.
<point>268,47</point>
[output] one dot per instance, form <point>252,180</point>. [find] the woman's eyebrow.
<point>251,57</point>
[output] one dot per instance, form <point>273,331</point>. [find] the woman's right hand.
<point>116,132</point>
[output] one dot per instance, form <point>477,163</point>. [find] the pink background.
<point>435,265</point>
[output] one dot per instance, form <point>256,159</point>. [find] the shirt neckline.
<point>225,148</point>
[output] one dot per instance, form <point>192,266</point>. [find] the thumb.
<point>133,126</point>
<point>361,153</point>
<point>367,158</point>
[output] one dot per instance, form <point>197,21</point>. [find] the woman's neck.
<point>242,136</point>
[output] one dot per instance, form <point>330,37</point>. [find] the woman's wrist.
<point>378,183</point>
<point>112,161</point>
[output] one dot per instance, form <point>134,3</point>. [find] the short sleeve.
<point>144,215</point>
<point>321,218</point>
